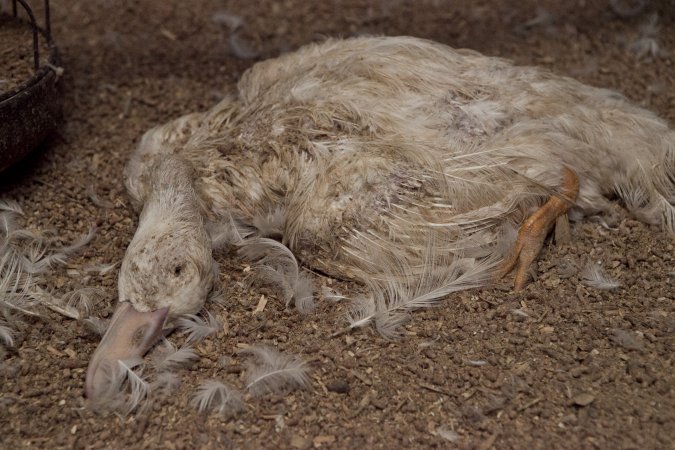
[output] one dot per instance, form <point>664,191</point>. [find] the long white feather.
<point>169,358</point>
<point>84,299</point>
<point>79,243</point>
<point>227,232</point>
<point>593,275</point>
<point>11,205</point>
<point>267,251</point>
<point>331,294</point>
<point>269,371</point>
<point>6,334</point>
<point>8,222</point>
<point>402,288</point>
<point>165,382</point>
<point>139,388</point>
<point>198,327</point>
<point>213,395</point>
<point>102,269</point>
<point>276,265</point>
<point>126,389</point>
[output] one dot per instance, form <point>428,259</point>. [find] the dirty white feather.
<point>213,395</point>
<point>269,371</point>
<point>199,328</point>
<point>170,358</point>
<point>593,275</point>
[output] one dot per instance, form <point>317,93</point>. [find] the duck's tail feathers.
<point>648,191</point>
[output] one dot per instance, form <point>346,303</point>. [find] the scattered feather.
<point>169,358</point>
<point>240,48</point>
<point>477,362</point>
<point>83,299</point>
<point>217,294</point>
<point>627,8</point>
<point>96,325</point>
<point>271,225</point>
<point>11,205</point>
<point>276,265</point>
<point>361,312</point>
<point>16,286</point>
<point>269,371</point>
<point>390,323</point>
<point>228,232</point>
<point>428,343</point>
<point>212,395</point>
<point>592,275</point>
<point>165,382</point>
<point>8,222</point>
<point>303,293</point>
<point>647,44</point>
<point>101,269</point>
<point>126,389</point>
<point>520,313</point>
<point>447,434</point>
<point>79,243</point>
<point>199,328</point>
<point>47,262</point>
<point>626,339</point>
<point>54,303</point>
<point>232,21</point>
<point>331,294</point>
<point>96,200</point>
<point>139,388</point>
<point>6,335</point>
<point>402,288</point>
<point>268,251</point>
<point>544,18</point>
<point>25,256</point>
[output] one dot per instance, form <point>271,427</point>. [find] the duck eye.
<point>177,270</point>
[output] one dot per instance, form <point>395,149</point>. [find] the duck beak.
<point>130,334</point>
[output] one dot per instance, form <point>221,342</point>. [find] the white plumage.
<point>394,161</point>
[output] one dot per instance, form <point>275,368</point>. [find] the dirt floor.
<point>560,365</point>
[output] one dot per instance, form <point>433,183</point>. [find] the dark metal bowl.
<point>29,112</point>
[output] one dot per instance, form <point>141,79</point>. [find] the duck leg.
<point>534,230</point>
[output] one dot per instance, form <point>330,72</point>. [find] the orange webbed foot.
<point>534,230</point>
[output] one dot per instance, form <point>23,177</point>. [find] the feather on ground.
<point>593,275</point>
<point>199,328</point>
<point>169,358</point>
<point>213,395</point>
<point>269,371</point>
<point>126,390</point>
<point>276,264</point>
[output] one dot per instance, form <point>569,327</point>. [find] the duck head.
<point>167,271</point>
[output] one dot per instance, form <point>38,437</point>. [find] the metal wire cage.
<point>32,109</point>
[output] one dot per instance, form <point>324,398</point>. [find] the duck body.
<point>389,159</point>
<point>399,135</point>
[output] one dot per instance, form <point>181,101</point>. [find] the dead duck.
<point>395,161</point>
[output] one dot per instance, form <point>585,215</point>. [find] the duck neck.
<point>172,199</point>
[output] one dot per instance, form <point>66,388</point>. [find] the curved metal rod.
<point>36,54</point>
